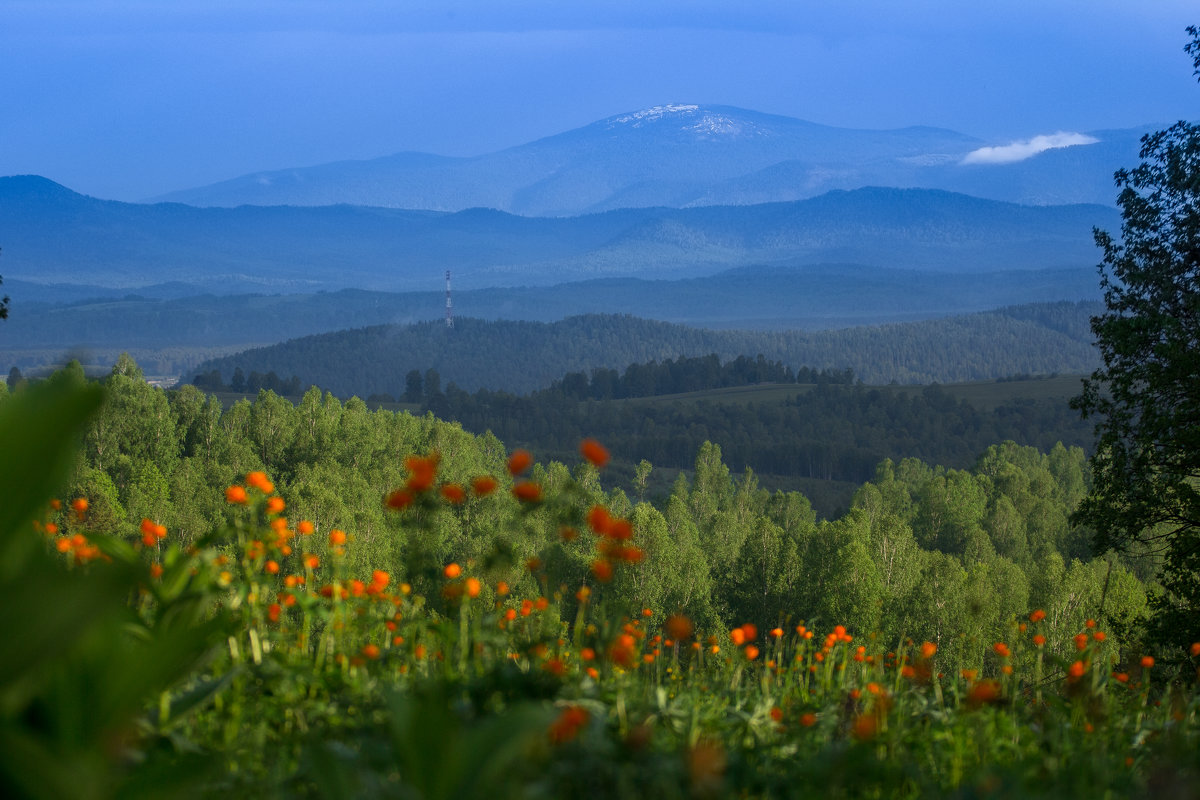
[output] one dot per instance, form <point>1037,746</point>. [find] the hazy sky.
<point>127,99</point>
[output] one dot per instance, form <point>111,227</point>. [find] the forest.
<point>726,551</point>
<point>521,357</point>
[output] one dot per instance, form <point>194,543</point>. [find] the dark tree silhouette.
<point>1147,394</point>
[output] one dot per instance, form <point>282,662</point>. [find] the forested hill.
<point>525,356</point>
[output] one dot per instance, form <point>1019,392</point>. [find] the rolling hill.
<point>523,356</point>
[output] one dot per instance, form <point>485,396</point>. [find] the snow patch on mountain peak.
<point>637,118</point>
<point>693,118</point>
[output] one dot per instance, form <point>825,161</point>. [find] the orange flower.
<point>236,495</point>
<point>260,481</point>
<point>1099,636</point>
<point>594,452</point>
<point>519,461</point>
<point>528,492</point>
<point>1081,641</point>
<point>568,724</point>
<point>452,571</point>
<point>472,587</point>
<point>598,519</point>
<point>502,588</point>
<point>272,567</point>
<point>80,505</point>
<point>928,649</point>
<point>484,485</point>
<point>1195,651</point>
<point>399,499</point>
<point>421,472</point>
<point>679,627</point>
<point>1147,662</point>
<point>1037,616</point>
<point>1091,623</point>
<point>311,561</point>
<point>808,719</point>
<point>984,692</point>
<point>865,726</point>
<point>1076,670</point>
<point>738,636</point>
<point>647,612</point>
<point>453,493</point>
<point>1001,649</point>
<point>751,631</point>
<point>751,652</point>
<point>602,570</point>
<point>1039,640</point>
<point>273,612</point>
<point>379,581</point>
<point>371,651</point>
<point>1121,677</point>
<point>620,529</point>
<point>275,505</point>
<point>777,633</point>
<point>305,528</point>
<point>337,537</point>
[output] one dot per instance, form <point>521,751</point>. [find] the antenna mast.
<point>449,307</point>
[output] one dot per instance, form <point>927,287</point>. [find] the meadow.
<point>266,658</point>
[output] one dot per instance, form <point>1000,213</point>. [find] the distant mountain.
<point>763,298</point>
<point>523,356</point>
<point>52,235</point>
<point>687,155</point>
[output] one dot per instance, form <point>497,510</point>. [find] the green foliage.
<point>80,669</point>
<point>1147,463</point>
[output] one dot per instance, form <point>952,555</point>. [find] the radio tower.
<point>449,307</point>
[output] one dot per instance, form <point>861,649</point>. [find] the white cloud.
<point>1019,151</point>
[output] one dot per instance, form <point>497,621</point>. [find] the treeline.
<point>946,555</point>
<point>211,382</point>
<point>832,431</point>
<point>683,374</point>
<point>527,356</point>
<point>672,376</point>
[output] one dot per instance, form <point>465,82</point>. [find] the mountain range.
<point>52,235</point>
<point>690,155</point>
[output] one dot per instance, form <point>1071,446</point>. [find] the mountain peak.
<point>699,120</point>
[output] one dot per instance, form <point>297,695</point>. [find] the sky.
<point>129,99</point>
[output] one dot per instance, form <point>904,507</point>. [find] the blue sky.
<point>127,99</point>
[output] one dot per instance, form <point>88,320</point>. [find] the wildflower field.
<point>264,659</point>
